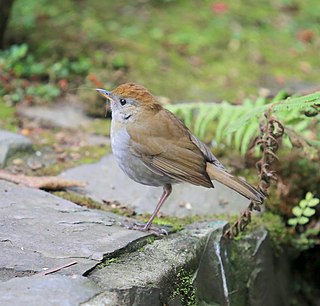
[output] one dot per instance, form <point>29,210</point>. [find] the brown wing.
<point>165,145</point>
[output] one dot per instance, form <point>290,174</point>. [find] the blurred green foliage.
<point>23,77</point>
<point>188,50</point>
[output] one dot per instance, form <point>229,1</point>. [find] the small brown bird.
<point>153,147</point>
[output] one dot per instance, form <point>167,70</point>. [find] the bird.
<point>153,147</point>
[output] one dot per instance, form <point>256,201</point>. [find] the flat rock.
<point>49,290</point>
<point>12,143</point>
<point>60,115</point>
<point>106,181</point>
<point>40,231</point>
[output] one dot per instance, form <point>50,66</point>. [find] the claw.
<point>159,232</point>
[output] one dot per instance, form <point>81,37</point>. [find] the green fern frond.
<point>237,125</point>
<point>291,103</point>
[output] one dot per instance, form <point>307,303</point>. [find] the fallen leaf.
<point>40,182</point>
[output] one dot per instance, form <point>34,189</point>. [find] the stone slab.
<point>51,290</point>
<point>10,144</point>
<point>106,181</point>
<point>60,115</point>
<point>39,231</point>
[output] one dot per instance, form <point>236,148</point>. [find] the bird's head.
<point>128,100</point>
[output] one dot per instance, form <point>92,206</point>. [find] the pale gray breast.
<point>132,165</point>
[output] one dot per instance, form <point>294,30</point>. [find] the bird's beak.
<point>104,93</point>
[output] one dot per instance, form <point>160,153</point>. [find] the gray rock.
<point>60,115</point>
<point>158,272</point>
<point>243,273</point>
<point>41,231</point>
<point>48,290</point>
<point>115,266</point>
<point>107,182</point>
<point>10,144</point>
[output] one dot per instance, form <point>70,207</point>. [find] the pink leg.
<point>166,192</point>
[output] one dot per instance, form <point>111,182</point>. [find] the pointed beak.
<point>104,93</point>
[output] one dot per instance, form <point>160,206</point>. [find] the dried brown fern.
<point>271,133</point>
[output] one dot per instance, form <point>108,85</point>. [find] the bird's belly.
<point>132,165</point>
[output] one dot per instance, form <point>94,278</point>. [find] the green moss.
<point>88,154</point>
<point>51,170</point>
<point>109,261</point>
<point>78,199</point>
<point>184,288</point>
<point>90,203</point>
<point>8,121</point>
<point>92,154</point>
<point>276,227</point>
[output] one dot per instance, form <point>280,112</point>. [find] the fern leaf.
<point>212,114</point>
<point>251,132</point>
<point>201,116</point>
<point>290,103</point>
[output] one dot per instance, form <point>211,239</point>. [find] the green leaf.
<point>303,220</point>
<point>303,203</point>
<point>251,132</point>
<point>308,212</point>
<point>297,211</point>
<point>223,121</point>
<point>314,202</point>
<point>202,115</point>
<point>296,103</point>
<point>212,115</point>
<point>309,196</point>
<point>293,221</point>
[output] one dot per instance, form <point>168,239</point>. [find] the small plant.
<point>304,210</point>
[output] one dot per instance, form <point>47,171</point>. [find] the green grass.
<point>180,49</point>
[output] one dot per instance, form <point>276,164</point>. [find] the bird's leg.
<point>166,192</point>
<point>147,227</point>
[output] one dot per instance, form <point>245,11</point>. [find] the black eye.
<point>123,101</point>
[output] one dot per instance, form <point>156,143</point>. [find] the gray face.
<point>123,109</point>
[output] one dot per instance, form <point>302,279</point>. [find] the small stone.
<point>18,161</point>
<point>12,143</point>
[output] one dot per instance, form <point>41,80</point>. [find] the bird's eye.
<point>123,101</point>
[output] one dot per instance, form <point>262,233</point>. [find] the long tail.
<point>240,186</point>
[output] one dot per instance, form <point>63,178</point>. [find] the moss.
<point>176,224</point>
<point>92,154</point>
<point>87,155</point>
<point>276,227</point>
<point>51,170</point>
<point>8,121</point>
<point>90,203</point>
<point>184,288</point>
<point>109,261</point>
<point>78,199</point>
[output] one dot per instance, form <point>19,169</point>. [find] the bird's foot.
<point>159,232</point>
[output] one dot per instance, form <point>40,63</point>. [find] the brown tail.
<point>235,183</point>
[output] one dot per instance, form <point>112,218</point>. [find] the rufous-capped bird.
<point>153,147</point>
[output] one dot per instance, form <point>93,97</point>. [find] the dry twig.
<point>53,270</point>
